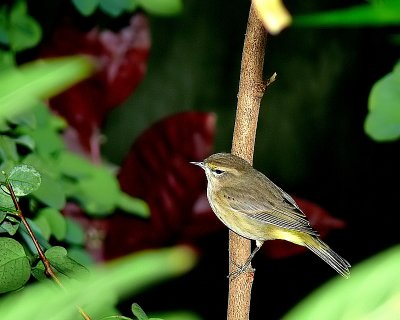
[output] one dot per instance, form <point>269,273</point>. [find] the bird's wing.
<point>272,206</point>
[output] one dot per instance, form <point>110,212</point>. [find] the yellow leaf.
<point>273,14</point>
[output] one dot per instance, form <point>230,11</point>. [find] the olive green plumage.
<point>251,205</point>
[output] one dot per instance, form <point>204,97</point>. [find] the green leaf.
<point>42,115</point>
<point>14,265</point>
<point>10,225</point>
<point>114,7</point>
<point>133,205</point>
<point>86,7</point>
<point>4,126</point>
<point>162,7</point>
<point>99,194</point>
<point>60,260</point>
<point>96,189</point>
<point>26,141</point>
<point>44,226</point>
<point>379,13</point>
<point>7,58</point>
<point>131,5</point>
<point>27,119</point>
<point>176,315</point>
<point>4,26</point>
<point>27,238</point>
<point>2,216</point>
<point>55,221</point>
<point>6,202</point>
<point>375,283</point>
<point>47,141</point>
<point>128,275</point>
<point>81,256</point>
<point>75,234</point>
<point>6,166</point>
<point>39,272</point>
<point>8,149</point>
<point>46,166</point>
<point>50,192</point>
<point>383,120</point>
<point>138,312</point>
<point>73,165</point>
<point>22,87</point>
<point>24,31</point>
<point>24,179</point>
<point>56,122</point>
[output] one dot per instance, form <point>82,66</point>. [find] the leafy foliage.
<point>18,30</point>
<point>129,275</point>
<point>118,7</point>
<point>22,87</point>
<point>65,266</point>
<point>375,283</point>
<point>383,120</point>
<point>63,174</point>
<point>373,13</point>
<point>24,179</point>
<point>52,223</point>
<point>31,142</point>
<point>14,265</point>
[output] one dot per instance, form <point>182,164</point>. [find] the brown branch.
<point>251,90</point>
<point>47,266</point>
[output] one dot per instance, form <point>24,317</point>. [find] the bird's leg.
<point>245,266</point>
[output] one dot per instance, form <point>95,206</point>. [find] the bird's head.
<point>223,167</point>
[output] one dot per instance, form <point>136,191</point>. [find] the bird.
<point>252,206</point>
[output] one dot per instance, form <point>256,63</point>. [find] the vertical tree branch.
<point>251,90</point>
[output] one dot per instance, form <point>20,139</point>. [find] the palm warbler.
<point>251,205</point>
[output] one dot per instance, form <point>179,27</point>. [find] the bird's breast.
<point>239,222</point>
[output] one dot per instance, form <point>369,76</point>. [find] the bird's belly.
<point>244,226</point>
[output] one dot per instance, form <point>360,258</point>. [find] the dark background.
<point>310,139</point>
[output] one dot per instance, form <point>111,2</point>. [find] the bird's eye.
<point>218,172</point>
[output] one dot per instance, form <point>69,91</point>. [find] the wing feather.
<point>272,206</point>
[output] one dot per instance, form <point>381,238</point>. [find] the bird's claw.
<point>240,269</point>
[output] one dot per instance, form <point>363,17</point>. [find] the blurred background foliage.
<point>323,136</point>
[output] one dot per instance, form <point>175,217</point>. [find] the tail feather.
<point>322,250</point>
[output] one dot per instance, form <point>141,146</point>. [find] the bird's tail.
<point>322,250</point>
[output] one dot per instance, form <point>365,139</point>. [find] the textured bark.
<point>251,90</point>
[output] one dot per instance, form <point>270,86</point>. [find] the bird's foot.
<point>241,269</point>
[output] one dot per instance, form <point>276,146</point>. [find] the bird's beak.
<point>200,164</point>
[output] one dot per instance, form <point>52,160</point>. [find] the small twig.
<point>83,313</point>
<point>47,266</point>
<point>271,79</point>
<point>48,269</point>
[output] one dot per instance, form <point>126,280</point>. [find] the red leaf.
<point>319,219</point>
<point>157,170</point>
<point>122,58</point>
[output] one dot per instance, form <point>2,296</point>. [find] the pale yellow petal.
<point>273,14</point>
